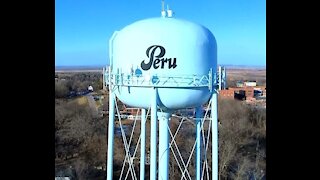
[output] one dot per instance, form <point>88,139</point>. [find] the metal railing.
<point>161,81</point>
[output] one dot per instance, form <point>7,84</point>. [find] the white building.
<point>250,83</point>
<point>62,178</point>
<point>90,88</point>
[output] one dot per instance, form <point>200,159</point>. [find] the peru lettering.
<point>157,60</point>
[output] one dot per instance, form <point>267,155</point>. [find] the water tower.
<point>163,64</point>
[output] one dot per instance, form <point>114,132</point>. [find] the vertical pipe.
<point>215,145</point>
<point>110,135</point>
<point>143,144</point>
<point>103,79</point>
<point>153,136</point>
<point>198,142</point>
<point>111,49</point>
<point>163,173</point>
<point>225,77</point>
<point>220,78</point>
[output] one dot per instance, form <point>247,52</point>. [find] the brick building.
<point>226,93</point>
<point>241,92</point>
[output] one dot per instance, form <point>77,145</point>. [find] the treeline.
<point>231,82</point>
<point>76,82</point>
<point>242,141</point>
<point>80,141</point>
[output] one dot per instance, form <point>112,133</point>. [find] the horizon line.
<point>108,65</point>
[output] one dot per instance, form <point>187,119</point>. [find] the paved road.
<point>92,104</point>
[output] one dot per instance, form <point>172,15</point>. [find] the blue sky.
<point>83,27</point>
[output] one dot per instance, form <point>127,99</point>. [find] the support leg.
<point>153,136</point>
<point>110,136</point>
<point>163,145</point>
<point>198,142</point>
<point>215,145</point>
<point>143,144</point>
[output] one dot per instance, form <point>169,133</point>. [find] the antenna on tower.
<point>163,12</point>
<point>169,11</point>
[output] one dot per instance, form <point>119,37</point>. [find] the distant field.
<point>78,68</point>
<point>97,68</point>
<point>247,73</point>
<point>233,72</point>
<point>250,74</point>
